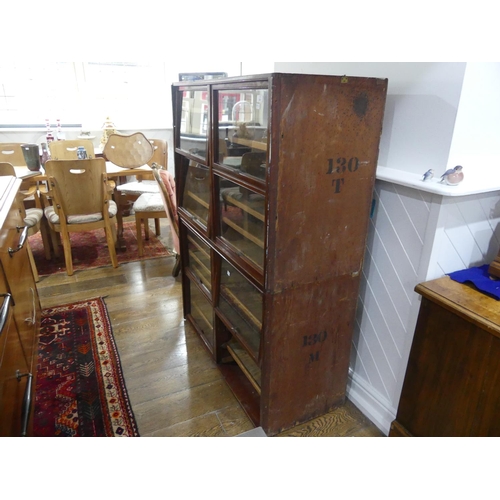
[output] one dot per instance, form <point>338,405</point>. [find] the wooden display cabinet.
<point>274,178</point>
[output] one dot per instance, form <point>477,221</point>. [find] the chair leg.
<point>177,266</point>
<point>146,228</point>
<point>119,214</point>
<point>67,253</point>
<point>55,237</point>
<point>138,232</point>
<point>157,227</point>
<point>114,233</point>
<point>47,245</point>
<point>110,239</point>
<point>33,265</point>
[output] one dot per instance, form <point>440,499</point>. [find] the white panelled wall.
<point>414,236</point>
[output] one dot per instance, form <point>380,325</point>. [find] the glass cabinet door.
<point>199,261</point>
<point>202,314</point>
<point>193,127</point>
<point>242,220</point>
<point>195,191</point>
<point>242,305</point>
<point>241,129</point>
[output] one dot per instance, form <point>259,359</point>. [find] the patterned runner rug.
<point>90,250</point>
<point>80,389</point>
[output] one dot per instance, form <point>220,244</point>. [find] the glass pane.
<point>242,130</point>
<point>196,194</point>
<point>241,304</point>
<point>242,220</point>
<point>194,122</point>
<point>202,313</point>
<point>199,259</point>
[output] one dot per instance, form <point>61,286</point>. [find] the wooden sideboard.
<point>452,382</point>
<point>20,315</point>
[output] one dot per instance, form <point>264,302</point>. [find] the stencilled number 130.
<point>343,164</point>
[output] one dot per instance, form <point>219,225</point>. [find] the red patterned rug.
<point>90,250</point>
<point>80,389</point>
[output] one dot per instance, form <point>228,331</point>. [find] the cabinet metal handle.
<point>4,312</point>
<point>22,240</point>
<point>25,412</point>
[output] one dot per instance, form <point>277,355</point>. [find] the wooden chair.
<point>32,217</point>
<point>133,151</point>
<point>67,149</point>
<point>80,202</point>
<point>11,152</point>
<point>160,153</point>
<point>166,184</point>
<point>149,205</point>
<point>128,151</point>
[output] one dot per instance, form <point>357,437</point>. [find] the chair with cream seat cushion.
<point>80,202</point>
<point>129,152</point>
<point>147,206</point>
<point>133,151</point>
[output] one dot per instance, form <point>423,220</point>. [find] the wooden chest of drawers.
<point>451,387</point>
<point>20,317</point>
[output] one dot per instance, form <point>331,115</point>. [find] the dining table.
<point>115,173</point>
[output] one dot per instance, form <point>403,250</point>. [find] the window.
<point>134,95</point>
<point>30,93</point>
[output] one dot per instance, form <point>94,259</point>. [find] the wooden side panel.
<point>445,374</point>
<point>487,421</point>
<point>322,182</point>
<point>306,355</point>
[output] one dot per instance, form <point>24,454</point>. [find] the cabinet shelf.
<point>241,307</point>
<point>202,314</point>
<point>251,208</point>
<point>250,232</point>
<point>202,250</point>
<point>246,363</point>
<point>196,198</point>
<point>262,146</point>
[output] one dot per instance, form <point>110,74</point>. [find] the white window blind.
<point>133,95</point>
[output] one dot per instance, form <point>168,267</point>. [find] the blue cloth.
<point>480,278</point>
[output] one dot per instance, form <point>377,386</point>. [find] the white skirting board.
<point>373,406</point>
<point>257,432</point>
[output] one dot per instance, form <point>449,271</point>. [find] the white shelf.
<point>470,185</point>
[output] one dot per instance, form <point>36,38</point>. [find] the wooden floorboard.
<point>174,386</point>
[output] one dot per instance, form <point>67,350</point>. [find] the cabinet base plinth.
<point>397,430</point>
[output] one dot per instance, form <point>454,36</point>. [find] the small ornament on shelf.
<point>453,176</point>
<point>45,154</point>
<point>48,134</point>
<point>60,134</point>
<point>428,175</point>
<point>108,128</point>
